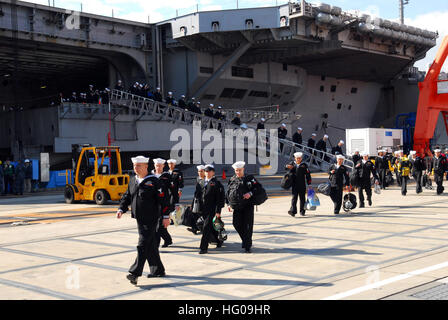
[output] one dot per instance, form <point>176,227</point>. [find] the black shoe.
<point>370,202</point>
<point>336,212</point>
<point>248,250</point>
<point>203,251</point>
<point>157,275</point>
<point>132,278</point>
<point>166,244</point>
<point>292,214</point>
<point>362,205</point>
<point>194,231</point>
<point>219,244</point>
<point>302,213</point>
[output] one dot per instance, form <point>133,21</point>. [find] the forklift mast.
<point>433,100</point>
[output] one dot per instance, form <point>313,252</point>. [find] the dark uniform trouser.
<point>418,176</point>
<point>8,184</point>
<point>382,178</point>
<point>438,178</point>
<point>209,233</point>
<point>295,196</point>
<point>398,176</point>
<point>147,250</point>
<point>163,233</point>
<point>368,189</point>
<point>20,184</point>
<point>404,184</point>
<point>243,221</point>
<point>336,197</point>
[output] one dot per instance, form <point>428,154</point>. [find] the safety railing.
<point>245,115</point>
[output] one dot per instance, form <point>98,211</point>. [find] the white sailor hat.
<point>27,160</point>
<point>200,167</point>
<point>356,150</point>
<point>211,105</point>
<point>263,119</point>
<point>209,167</point>
<point>140,159</point>
<point>73,92</point>
<point>283,125</point>
<point>107,89</point>
<point>314,135</point>
<point>396,152</point>
<point>90,85</point>
<point>437,150</point>
<point>170,93</point>
<point>238,165</point>
<point>199,102</point>
<point>158,88</point>
<point>159,161</point>
<point>171,161</point>
<point>193,98</point>
<point>340,156</point>
<point>119,80</point>
<point>342,141</point>
<point>182,96</point>
<point>412,152</point>
<point>238,113</point>
<point>219,107</point>
<point>298,155</point>
<point>326,136</point>
<point>243,126</point>
<point>298,128</point>
<point>365,153</point>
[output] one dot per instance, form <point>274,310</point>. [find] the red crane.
<point>431,103</point>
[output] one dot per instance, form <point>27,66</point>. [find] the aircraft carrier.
<point>314,66</point>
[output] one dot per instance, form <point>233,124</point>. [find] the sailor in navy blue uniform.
<point>149,204</point>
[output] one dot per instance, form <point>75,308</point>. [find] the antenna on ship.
<point>401,4</point>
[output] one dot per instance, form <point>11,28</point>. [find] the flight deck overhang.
<point>322,39</point>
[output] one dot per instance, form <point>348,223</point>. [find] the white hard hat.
<point>140,159</point>
<point>238,165</point>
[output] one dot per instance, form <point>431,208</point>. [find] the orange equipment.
<point>431,103</point>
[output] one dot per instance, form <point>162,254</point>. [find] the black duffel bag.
<point>287,181</point>
<point>324,188</point>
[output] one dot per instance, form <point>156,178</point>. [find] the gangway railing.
<point>245,114</point>
<point>144,107</point>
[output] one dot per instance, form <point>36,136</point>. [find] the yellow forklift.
<point>97,175</point>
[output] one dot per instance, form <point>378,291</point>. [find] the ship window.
<point>285,67</point>
<point>354,90</point>
<point>333,88</point>
<point>242,72</point>
<point>339,106</point>
<point>233,93</point>
<point>205,70</point>
<point>258,94</point>
<point>208,97</point>
<point>322,88</point>
<point>322,78</point>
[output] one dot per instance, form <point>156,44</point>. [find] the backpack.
<point>405,167</point>
<point>235,192</point>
